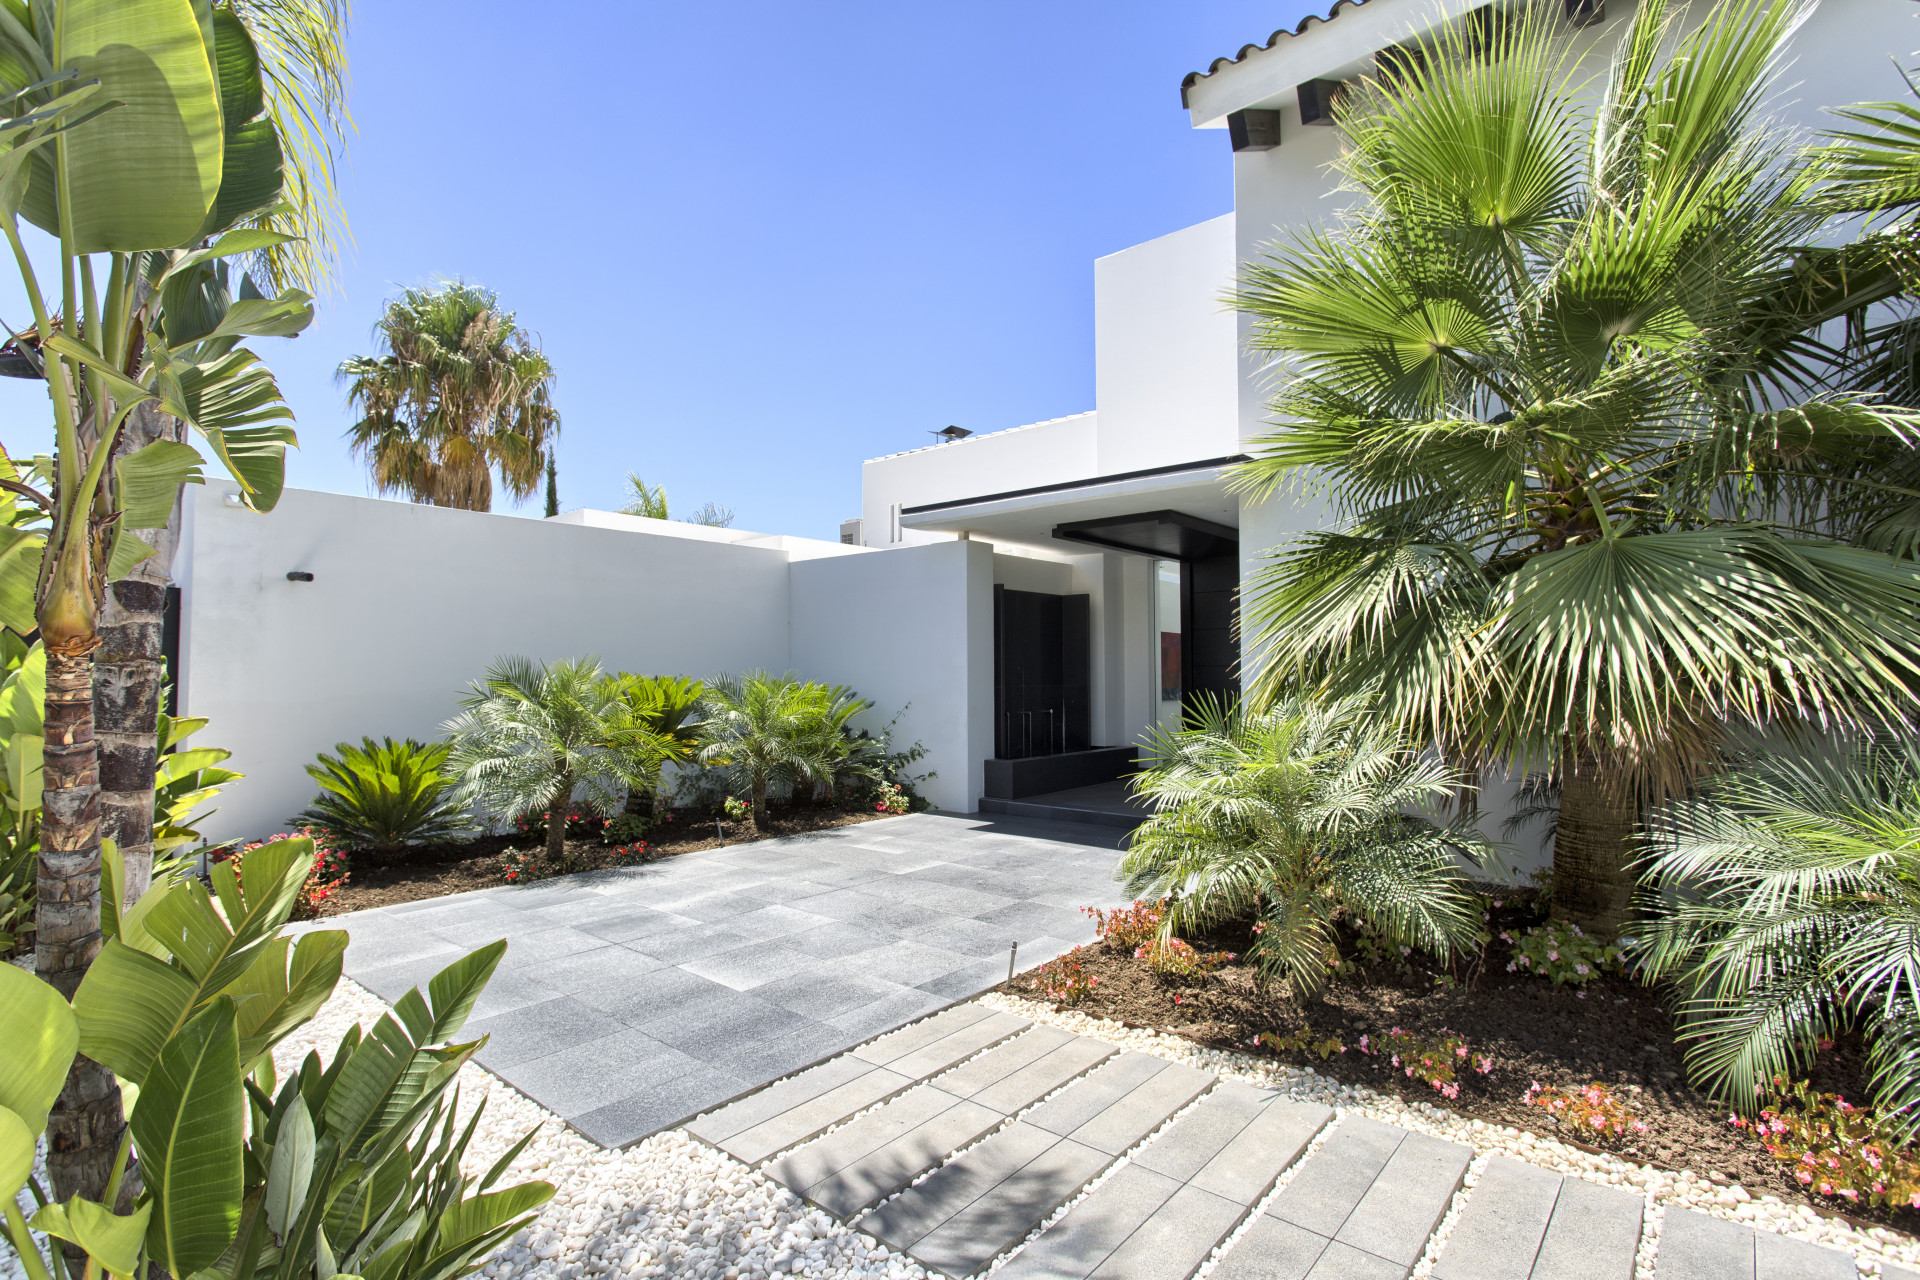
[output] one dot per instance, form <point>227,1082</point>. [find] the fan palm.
<point>1795,912</point>
<point>1576,533</point>
<point>767,730</point>
<point>534,739</point>
<point>461,393</point>
<point>1301,814</point>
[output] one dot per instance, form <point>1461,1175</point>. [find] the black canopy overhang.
<point>1168,535</point>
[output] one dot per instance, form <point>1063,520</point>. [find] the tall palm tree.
<point>1576,532</point>
<point>461,393</point>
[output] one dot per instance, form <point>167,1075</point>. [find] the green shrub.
<point>1837,1149</point>
<point>1786,901</point>
<point>1562,951</point>
<point>625,829</point>
<point>772,734</point>
<point>183,781</point>
<point>1300,816</point>
<point>382,795</point>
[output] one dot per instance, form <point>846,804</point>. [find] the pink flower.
<point>1553,955</point>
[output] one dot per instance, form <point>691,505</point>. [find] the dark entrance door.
<point>1042,674</point>
<point>1210,634</point>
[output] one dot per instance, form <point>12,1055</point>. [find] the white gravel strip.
<point>1660,1188</point>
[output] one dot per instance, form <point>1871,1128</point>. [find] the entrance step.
<point>1699,1246</point>
<point>1528,1223</point>
<point>1065,806</point>
<point>1163,1214</point>
<point>857,1166</point>
<point>804,1106</point>
<point>988,1198</point>
<point>1361,1206</point>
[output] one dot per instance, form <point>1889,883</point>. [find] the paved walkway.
<point>988,1124</point>
<point>631,999</point>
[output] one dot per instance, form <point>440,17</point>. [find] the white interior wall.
<point>1164,350</point>
<point>912,627</point>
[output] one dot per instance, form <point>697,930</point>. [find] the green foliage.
<point>625,829</point>
<point>1837,1149</point>
<point>649,500</point>
<point>771,734</point>
<point>1431,1059</point>
<point>352,1168</point>
<point>1792,911</point>
<point>671,707</point>
<point>382,795</point>
<point>463,392</point>
<point>535,738</point>
<point>1299,816</point>
<point>1064,979</point>
<point>1589,1112</point>
<point>1576,510</point>
<point>183,780</point>
<point>23,692</point>
<point>1562,951</point>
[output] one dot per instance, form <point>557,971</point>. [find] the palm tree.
<point>461,393</point>
<point>649,500</point>
<point>767,730</point>
<point>534,740</point>
<point>1794,891</point>
<point>670,706</point>
<point>1576,534</point>
<point>1302,815</point>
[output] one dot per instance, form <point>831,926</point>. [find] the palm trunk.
<point>1593,849</point>
<point>85,1124</point>
<point>129,672</point>
<point>557,820</point>
<point>757,801</point>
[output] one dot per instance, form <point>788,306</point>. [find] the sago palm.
<point>766,730</point>
<point>1794,889</point>
<point>1575,533</point>
<point>534,739</point>
<point>382,795</point>
<point>1301,815</point>
<point>462,392</point>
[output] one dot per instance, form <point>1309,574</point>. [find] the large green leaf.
<point>251,167</point>
<point>278,993</point>
<point>257,458</point>
<point>19,575</point>
<point>150,479</point>
<point>41,1039</point>
<point>475,1217</point>
<point>190,1132</point>
<point>109,1238</point>
<point>16,1153</point>
<point>292,1169</point>
<point>143,175</point>
<point>128,1005</point>
<point>455,988</point>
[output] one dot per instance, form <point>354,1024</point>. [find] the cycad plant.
<point>768,731</point>
<point>534,739</point>
<point>671,707</point>
<point>1580,524</point>
<point>1792,913</point>
<point>1300,816</point>
<point>461,393</point>
<point>386,794</point>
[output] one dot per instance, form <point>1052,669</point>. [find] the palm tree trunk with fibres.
<point>1594,849</point>
<point>86,1122</point>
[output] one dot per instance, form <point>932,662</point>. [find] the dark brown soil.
<point>433,871</point>
<point>1613,1031</point>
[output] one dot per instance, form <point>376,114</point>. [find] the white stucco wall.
<point>914,626</point>
<point>409,604</point>
<point>1041,453</point>
<point>1164,343</point>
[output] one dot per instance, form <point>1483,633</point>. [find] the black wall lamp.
<point>299,575</point>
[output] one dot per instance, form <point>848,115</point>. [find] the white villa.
<point>1029,596</point>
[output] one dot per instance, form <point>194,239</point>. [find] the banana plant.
<point>22,691</point>
<point>348,1168</point>
<point>133,133</point>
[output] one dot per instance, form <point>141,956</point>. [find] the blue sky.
<point>760,242</point>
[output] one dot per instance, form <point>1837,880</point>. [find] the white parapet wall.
<point>409,604</point>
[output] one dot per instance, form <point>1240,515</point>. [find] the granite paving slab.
<point>711,974</point>
<point>1527,1223</point>
<point>1699,1246</point>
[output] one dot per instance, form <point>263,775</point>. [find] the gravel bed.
<point>1660,1187</point>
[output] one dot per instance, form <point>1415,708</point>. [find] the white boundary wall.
<point>409,604</point>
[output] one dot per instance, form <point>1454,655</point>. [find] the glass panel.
<point>1166,623</point>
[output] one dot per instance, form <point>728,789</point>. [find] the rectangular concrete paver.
<point>1143,1223</point>
<point>1272,1249</point>
<point>1699,1246</point>
<point>1498,1236</point>
<point>1322,1196</point>
<point>1408,1199</point>
<point>1784,1258</point>
<point>985,1200</point>
<point>1594,1235</point>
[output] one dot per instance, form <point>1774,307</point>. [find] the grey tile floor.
<point>632,999</point>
